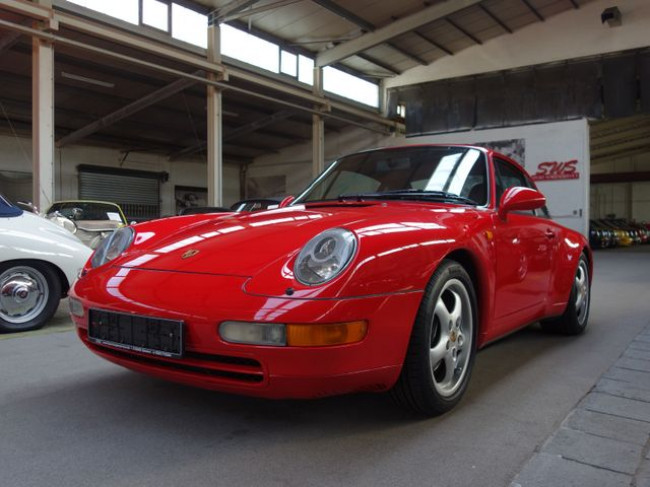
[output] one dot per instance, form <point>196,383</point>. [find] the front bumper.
<point>203,301</point>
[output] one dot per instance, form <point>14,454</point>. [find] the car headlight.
<point>112,246</point>
<point>325,256</point>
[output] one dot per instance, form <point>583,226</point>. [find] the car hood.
<point>243,244</point>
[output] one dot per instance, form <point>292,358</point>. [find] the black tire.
<point>427,384</point>
<point>576,316</point>
<point>29,295</point>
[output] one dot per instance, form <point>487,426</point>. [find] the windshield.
<point>443,173</point>
<point>7,209</point>
<point>87,210</point>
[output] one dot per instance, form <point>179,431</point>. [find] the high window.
<point>189,26</point>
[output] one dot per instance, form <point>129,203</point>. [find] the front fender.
<point>398,259</point>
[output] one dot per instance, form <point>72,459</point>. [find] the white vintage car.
<point>39,261</point>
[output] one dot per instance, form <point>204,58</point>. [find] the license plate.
<point>143,334</point>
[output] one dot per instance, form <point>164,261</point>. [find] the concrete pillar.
<point>318,129</point>
<point>383,98</point>
<point>42,121</point>
<point>215,121</point>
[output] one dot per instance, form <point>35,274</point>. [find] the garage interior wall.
<point>15,156</point>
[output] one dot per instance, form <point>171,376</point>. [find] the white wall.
<point>15,156</point>
<point>568,35</point>
<point>567,200</point>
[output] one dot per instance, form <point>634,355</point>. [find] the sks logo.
<point>553,171</point>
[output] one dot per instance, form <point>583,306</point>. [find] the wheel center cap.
<point>22,293</point>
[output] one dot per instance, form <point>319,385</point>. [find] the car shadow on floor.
<point>493,365</point>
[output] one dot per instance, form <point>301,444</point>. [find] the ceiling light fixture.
<point>84,79</point>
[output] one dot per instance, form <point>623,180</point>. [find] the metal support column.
<point>42,120</point>
<point>318,129</point>
<point>215,121</point>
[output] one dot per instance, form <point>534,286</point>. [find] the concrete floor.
<point>68,418</point>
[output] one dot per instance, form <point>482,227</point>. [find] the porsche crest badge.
<point>189,253</point>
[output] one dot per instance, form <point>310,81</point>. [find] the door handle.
<point>550,234</point>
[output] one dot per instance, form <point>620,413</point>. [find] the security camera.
<point>612,16</point>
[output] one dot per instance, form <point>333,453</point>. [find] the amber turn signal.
<point>323,335</point>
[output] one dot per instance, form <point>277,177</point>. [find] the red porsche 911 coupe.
<point>386,274</point>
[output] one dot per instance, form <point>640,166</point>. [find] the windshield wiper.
<point>408,194</point>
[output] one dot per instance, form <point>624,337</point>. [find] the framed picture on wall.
<point>513,148</point>
<point>189,197</point>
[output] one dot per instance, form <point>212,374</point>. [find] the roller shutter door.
<point>137,193</point>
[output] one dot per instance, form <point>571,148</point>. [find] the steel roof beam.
<point>475,39</point>
<point>432,42</point>
<point>8,40</point>
<point>128,110</point>
<point>395,29</point>
<point>346,14</point>
<point>294,48</point>
<point>368,27</point>
<point>257,10</point>
<point>234,7</point>
<point>496,19</point>
<point>378,63</point>
<point>407,54</point>
<point>575,4</point>
<point>238,132</point>
<point>533,10</point>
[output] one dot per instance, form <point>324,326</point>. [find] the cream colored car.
<point>90,221</point>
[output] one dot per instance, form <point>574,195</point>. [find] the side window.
<point>540,212</point>
<point>508,176</point>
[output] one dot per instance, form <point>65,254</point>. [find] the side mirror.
<point>519,198</point>
<point>27,205</point>
<point>286,201</point>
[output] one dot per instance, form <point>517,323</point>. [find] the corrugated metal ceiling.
<point>319,25</point>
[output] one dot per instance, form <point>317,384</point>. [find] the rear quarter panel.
<point>571,245</point>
